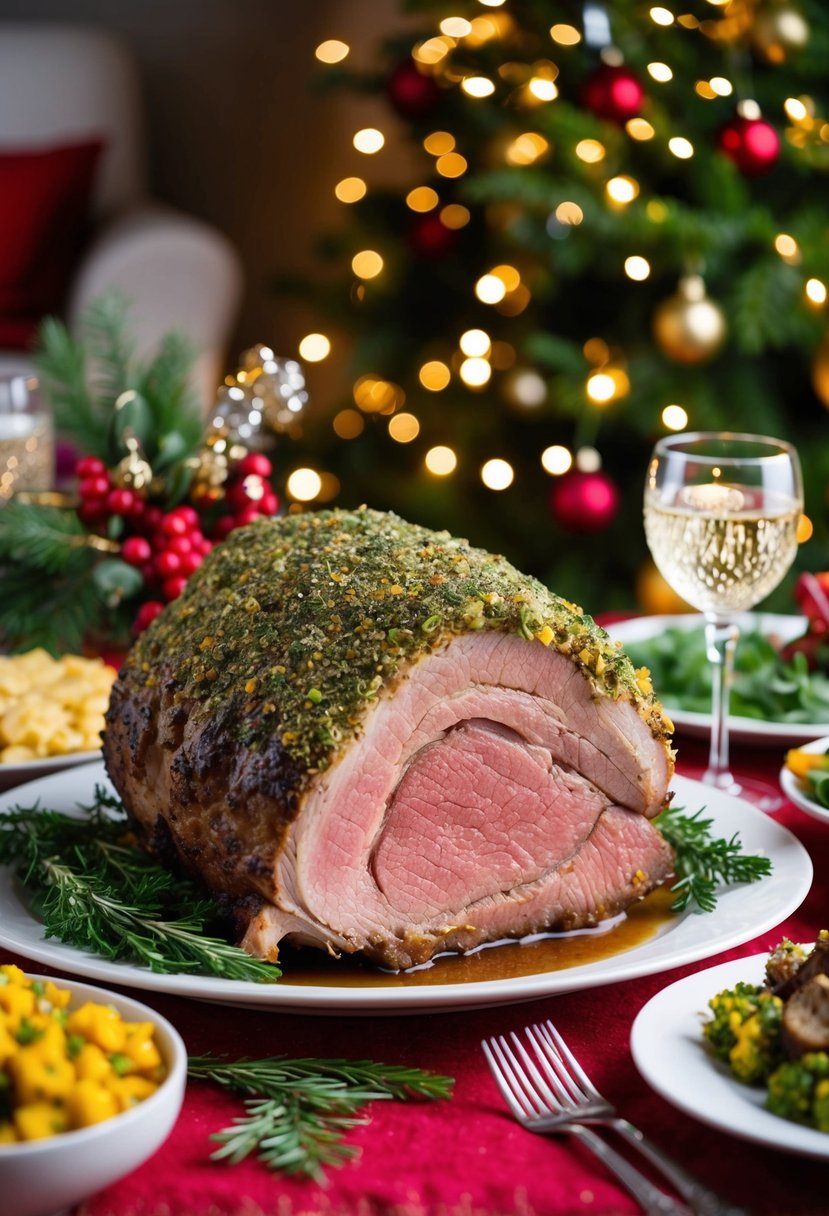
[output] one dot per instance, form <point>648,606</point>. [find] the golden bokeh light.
<point>675,417</point>
<point>369,140</point>
<point>815,291</point>
<point>660,72</point>
<point>565,35</point>
<point>703,89</point>
<point>490,289</point>
<point>475,343</point>
<point>455,215</point>
<point>542,89</point>
<point>787,247</point>
<point>721,86</point>
<point>656,210</point>
<point>422,198</point>
<point>596,351</point>
<point>556,460</point>
<point>661,16</point>
<point>455,27</point>
<point>332,51</point>
<point>350,189</point>
<point>329,487</point>
<point>440,461</point>
<point>303,485</point>
<point>314,348</point>
<point>502,355</point>
<point>497,474</point>
<point>432,51</point>
<point>637,268</point>
<point>451,164</point>
<point>805,529</point>
<point>601,388</point>
<point>622,189</point>
<point>348,424</point>
<point>681,147</point>
<point>569,213</point>
<point>403,428</point>
<point>374,395</point>
<point>434,375</point>
<point>590,151</point>
<point>477,86</point>
<point>475,372</point>
<point>527,148</point>
<point>639,128</point>
<point>439,142</point>
<point>367,264</point>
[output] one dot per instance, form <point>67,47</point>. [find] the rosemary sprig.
<point>298,1111</point>
<point>704,861</point>
<point>96,890</point>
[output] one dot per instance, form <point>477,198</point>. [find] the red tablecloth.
<point>467,1157</point>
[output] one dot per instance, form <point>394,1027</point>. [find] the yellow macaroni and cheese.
<point>51,707</point>
<point>63,1069</point>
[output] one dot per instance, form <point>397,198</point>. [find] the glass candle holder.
<point>27,442</point>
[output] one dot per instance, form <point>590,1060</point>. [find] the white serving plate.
<point>741,913</point>
<point>796,790</point>
<point>670,1052</point>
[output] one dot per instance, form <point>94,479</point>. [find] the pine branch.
<point>58,618</point>
<point>103,329</point>
<point>299,1110</point>
<point>62,370</point>
<point>50,539</point>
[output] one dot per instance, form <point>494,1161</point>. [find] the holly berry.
<point>269,504</point>
<point>136,551</point>
<point>180,544</point>
<point>247,516</point>
<point>224,526</point>
<point>93,488</point>
<point>146,614</point>
<point>121,502</point>
<point>174,524</point>
<point>167,562</point>
<point>173,587</point>
<point>190,562</point>
<point>90,466</point>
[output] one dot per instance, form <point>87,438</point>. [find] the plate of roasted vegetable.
<point>780,693</point>
<point>744,1046</point>
<point>805,778</point>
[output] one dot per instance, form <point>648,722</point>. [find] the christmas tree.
<point>615,226</point>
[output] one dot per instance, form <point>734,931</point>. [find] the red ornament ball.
<point>412,93</point>
<point>613,92</point>
<point>584,502</point>
<point>751,143</point>
<point>430,238</point>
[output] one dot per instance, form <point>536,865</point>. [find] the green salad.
<point>765,686</point>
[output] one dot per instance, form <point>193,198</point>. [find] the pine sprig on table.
<point>703,862</point>
<point>97,891</point>
<point>298,1111</point>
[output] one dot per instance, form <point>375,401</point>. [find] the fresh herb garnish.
<point>299,1111</point>
<point>704,861</point>
<point>96,890</point>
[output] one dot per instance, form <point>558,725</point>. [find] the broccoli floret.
<point>799,1090</point>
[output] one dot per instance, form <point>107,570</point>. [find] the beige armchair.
<point>62,85</point>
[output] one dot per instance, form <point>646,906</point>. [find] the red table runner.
<point>467,1157</point>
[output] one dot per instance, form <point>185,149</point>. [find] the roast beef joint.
<point>363,735</point>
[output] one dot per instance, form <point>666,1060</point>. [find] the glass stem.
<point>721,643</point>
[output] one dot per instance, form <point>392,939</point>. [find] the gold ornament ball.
<point>778,31</point>
<point>654,595</point>
<point>689,327</point>
<point>820,371</point>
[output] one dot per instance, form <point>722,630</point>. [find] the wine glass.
<point>721,514</point>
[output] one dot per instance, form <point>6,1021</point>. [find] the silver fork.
<point>569,1095</point>
<point>528,1097</point>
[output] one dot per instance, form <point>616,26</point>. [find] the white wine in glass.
<point>721,516</point>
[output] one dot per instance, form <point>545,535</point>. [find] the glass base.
<point>763,795</point>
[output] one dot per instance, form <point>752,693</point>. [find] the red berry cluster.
<point>248,494</point>
<point>168,546</point>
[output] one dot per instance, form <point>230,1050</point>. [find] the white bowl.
<point>39,1177</point>
<point>797,791</point>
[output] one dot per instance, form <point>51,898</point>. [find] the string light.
<point>660,72</point>
<point>477,86</point>
<point>455,215</point>
<point>369,140</point>
<point>542,89</point>
<point>476,343</point>
<point>640,129</point>
<point>304,485</point>
<point>451,164</point>
<point>565,35</point>
<point>432,51</point>
<point>675,417</point>
<point>314,348</point>
<point>527,148</point>
<point>455,27</point>
<point>721,86</point>
<point>332,51</point>
<point>434,375</point>
<point>528,388</point>
<point>590,151</point>
<point>348,424</point>
<point>350,189</point>
<point>422,198</point>
<point>439,142</point>
<point>569,213</point>
<point>475,372</point>
<point>490,289</point>
<point>600,388</point>
<point>815,291</point>
<point>497,474</point>
<point>440,461</point>
<point>681,147</point>
<point>787,247</point>
<point>376,396</point>
<point>662,16</point>
<point>622,189</point>
<point>329,487</point>
<point>403,428</point>
<point>637,268</point>
<point>805,529</point>
<point>367,264</point>
<point>556,460</point>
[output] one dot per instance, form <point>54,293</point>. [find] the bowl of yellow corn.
<point>91,1084</point>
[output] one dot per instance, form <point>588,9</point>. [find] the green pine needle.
<point>298,1111</point>
<point>704,862</point>
<point>97,891</point>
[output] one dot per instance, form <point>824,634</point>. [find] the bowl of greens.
<point>775,699</point>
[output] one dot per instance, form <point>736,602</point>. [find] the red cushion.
<point>44,213</point>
